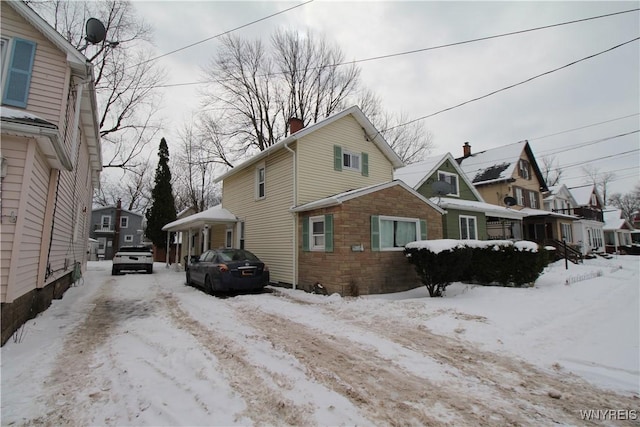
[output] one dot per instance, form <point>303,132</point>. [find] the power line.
<point>409,52</point>
<point>513,85</point>
<point>583,127</point>
<point>573,165</point>
<point>227,32</point>
<point>586,144</point>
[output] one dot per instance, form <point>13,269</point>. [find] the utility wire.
<point>391,55</point>
<point>513,85</point>
<point>227,32</point>
<point>583,127</point>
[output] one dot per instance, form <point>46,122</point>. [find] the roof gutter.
<point>46,137</point>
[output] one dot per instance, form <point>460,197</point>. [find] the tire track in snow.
<point>264,404</point>
<point>521,384</point>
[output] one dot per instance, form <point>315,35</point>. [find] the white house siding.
<point>316,175</point>
<point>268,222</point>
<point>49,74</point>
<point>12,185</point>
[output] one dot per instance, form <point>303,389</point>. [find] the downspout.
<point>76,115</point>
<point>295,217</point>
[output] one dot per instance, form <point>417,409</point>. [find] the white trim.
<point>312,236</point>
<point>457,177</point>
<point>258,182</point>
<point>352,156</point>
<point>127,220</point>
<point>475,227</point>
<point>381,218</point>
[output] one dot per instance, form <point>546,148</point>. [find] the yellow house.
<point>51,162</point>
<point>322,201</point>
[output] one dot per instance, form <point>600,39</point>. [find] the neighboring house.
<point>114,227</point>
<point>589,228</point>
<point>617,231</point>
<point>51,150</point>
<point>467,215</point>
<point>510,173</point>
<point>559,199</point>
<point>321,206</point>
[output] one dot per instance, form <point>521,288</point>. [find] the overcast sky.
<point>604,88</point>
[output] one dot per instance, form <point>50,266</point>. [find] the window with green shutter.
<point>337,157</point>
<point>16,90</point>
<point>317,233</point>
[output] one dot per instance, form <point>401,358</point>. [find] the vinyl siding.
<point>316,175</point>
<point>12,185</point>
<point>465,193</point>
<point>50,73</point>
<point>268,222</point>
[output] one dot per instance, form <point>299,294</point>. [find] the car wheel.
<point>208,285</point>
<point>150,269</point>
<point>188,282</point>
<point>114,271</point>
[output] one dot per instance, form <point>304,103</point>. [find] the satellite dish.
<point>96,33</point>
<point>510,201</point>
<point>441,188</point>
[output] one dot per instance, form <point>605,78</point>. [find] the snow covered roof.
<point>498,164</point>
<point>538,212</point>
<point>560,191</point>
<point>340,198</point>
<point>582,194</point>
<point>354,111</point>
<point>487,208</point>
<point>613,220</point>
<point>216,214</point>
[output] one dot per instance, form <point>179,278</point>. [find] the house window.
<point>351,160</point>
<point>468,229</point>
<point>260,182</point>
<point>395,233</point>
<point>567,232</point>
<point>533,199</point>
<point>241,235</point>
<point>523,169</point>
<point>17,80</point>
<point>594,200</point>
<point>124,221</point>
<point>106,222</point>
<point>519,196</point>
<point>452,180</point>
<point>316,225</point>
<point>128,238</point>
<point>317,233</point>
<point>229,238</point>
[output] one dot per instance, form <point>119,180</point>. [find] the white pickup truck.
<point>132,258</point>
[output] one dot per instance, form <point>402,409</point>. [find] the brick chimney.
<point>466,150</point>
<point>295,125</point>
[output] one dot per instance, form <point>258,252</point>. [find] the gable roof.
<point>354,111</point>
<point>499,164</point>
<point>558,190</point>
<point>613,220</point>
<point>340,198</point>
<point>583,193</point>
<point>102,208</point>
<point>416,174</point>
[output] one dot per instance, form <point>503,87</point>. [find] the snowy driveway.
<point>148,350</point>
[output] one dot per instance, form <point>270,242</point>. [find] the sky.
<point>144,349</point>
<point>605,88</point>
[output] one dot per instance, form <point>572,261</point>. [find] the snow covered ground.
<point>148,350</point>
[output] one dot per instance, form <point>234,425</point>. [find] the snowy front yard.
<point>148,350</point>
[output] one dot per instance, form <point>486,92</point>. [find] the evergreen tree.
<point>163,207</point>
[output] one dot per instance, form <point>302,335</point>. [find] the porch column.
<point>206,238</point>
<point>166,256</point>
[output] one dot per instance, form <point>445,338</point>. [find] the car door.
<point>198,268</point>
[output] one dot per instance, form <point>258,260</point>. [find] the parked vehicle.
<point>227,270</point>
<point>132,258</point>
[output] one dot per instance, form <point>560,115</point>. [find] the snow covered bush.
<point>503,262</point>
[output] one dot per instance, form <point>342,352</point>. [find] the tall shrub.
<point>163,207</point>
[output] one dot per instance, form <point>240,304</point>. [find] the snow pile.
<point>441,245</point>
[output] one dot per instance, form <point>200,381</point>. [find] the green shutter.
<point>305,233</point>
<point>337,157</point>
<point>375,233</point>
<point>365,164</point>
<point>16,90</point>
<point>328,233</point>
<point>423,229</point>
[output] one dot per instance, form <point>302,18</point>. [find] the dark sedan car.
<point>227,270</point>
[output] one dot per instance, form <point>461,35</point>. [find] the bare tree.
<point>551,171</point>
<point>628,203</point>
<point>194,186</point>
<point>125,77</point>
<point>132,187</point>
<point>258,88</point>
<point>600,179</point>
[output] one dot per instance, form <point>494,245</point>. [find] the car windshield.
<point>237,255</point>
